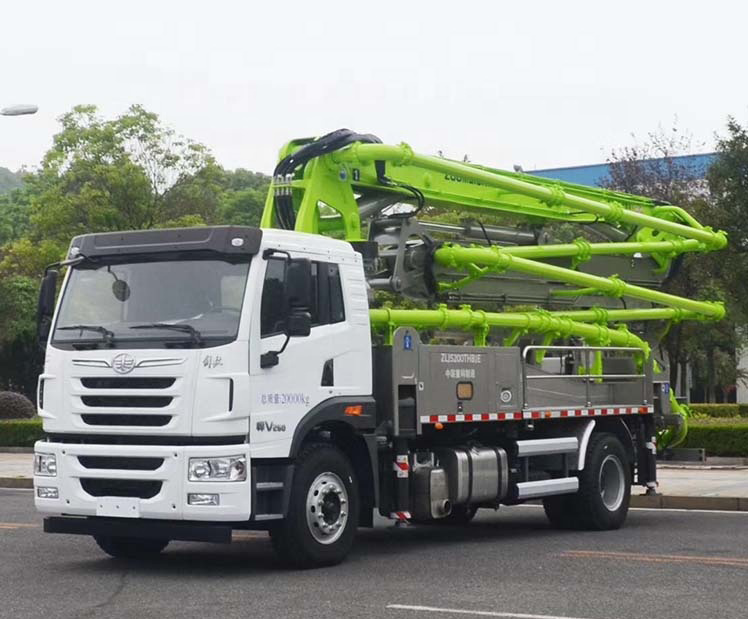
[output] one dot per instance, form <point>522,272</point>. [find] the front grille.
<point>127,401</point>
<point>132,488</point>
<point>120,463</point>
<point>127,382</point>
<point>113,419</point>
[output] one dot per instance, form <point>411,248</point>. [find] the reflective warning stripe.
<point>401,466</point>
<point>540,414</point>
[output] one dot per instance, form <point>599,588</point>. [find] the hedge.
<point>20,432</point>
<point>720,410</point>
<point>720,437</point>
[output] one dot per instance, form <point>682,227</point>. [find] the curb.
<point>16,482</point>
<point>715,503</point>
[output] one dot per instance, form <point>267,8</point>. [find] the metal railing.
<point>588,378</point>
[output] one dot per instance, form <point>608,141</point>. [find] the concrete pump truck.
<point>404,334</point>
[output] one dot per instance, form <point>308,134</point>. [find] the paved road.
<point>664,564</point>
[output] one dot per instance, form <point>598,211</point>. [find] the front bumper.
<point>163,490</point>
<point>141,529</point>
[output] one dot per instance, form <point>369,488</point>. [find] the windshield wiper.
<point>106,333</point>
<point>185,328</point>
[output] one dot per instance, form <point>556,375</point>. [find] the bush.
<point>720,410</point>
<point>719,437</point>
<point>15,406</point>
<point>20,432</point>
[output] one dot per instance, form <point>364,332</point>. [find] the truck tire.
<point>602,501</point>
<point>322,517</point>
<point>560,511</point>
<point>604,485</point>
<point>130,547</point>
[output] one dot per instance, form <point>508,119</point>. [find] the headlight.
<point>229,468</point>
<point>45,465</point>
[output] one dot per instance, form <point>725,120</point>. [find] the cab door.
<point>333,360</point>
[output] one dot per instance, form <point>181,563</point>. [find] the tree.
<point>244,197</point>
<point>10,180</point>
<point>128,173</point>
<point>14,215</point>
<point>131,172</point>
<point>654,168</point>
<point>20,358</point>
<point>728,184</point>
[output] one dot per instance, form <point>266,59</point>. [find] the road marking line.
<point>17,525</point>
<point>476,613</point>
<point>631,556</point>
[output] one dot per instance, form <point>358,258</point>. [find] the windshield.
<point>193,302</point>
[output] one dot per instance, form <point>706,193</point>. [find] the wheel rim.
<point>612,482</point>
<point>327,508</point>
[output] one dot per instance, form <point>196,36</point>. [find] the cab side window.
<point>273,312</point>
<point>328,306</point>
<point>337,307</point>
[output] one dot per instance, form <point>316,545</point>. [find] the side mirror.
<point>299,324</point>
<point>298,284</point>
<point>46,306</point>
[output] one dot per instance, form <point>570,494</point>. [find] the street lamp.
<point>19,110</point>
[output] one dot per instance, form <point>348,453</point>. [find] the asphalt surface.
<point>663,564</point>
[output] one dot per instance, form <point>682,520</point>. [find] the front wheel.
<point>322,512</point>
<point>130,547</point>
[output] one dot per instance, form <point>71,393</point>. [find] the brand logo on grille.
<point>123,363</point>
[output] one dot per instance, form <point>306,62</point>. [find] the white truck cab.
<point>154,396</point>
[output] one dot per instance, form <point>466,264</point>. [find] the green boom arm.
<point>350,179</point>
<point>327,193</point>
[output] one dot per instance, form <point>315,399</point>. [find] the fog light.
<point>203,499</point>
<point>47,492</point>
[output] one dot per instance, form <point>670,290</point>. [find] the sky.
<point>539,84</point>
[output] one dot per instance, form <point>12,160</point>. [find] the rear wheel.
<point>560,511</point>
<point>323,510</point>
<point>130,547</point>
<point>602,501</point>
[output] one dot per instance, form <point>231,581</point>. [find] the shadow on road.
<point>254,555</point>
